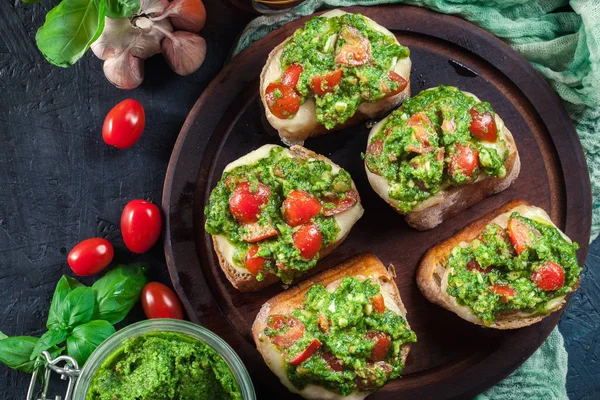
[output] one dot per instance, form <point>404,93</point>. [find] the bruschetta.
<point>441,152</point>
<point>339,335</point>
<point>508,270</point>
<point>276,212</point>
<point>335,71</point>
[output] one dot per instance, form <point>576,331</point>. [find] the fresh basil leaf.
<point>85,338</point>
<point>121,8</point>
<point>78,307</point>
<point>3,335</point>
<point>15,352</point>
<point>64,286</point>
<point>118,291</point>
<point>48,340</point>
<point>70,28</point>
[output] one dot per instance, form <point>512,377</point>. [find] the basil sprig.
<point>73,25</point>
<point>79,315</point>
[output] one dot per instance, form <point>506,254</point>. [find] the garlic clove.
<point>153,8</point>
<point>187,15</point>
<point>184,51</point>
<point>124,71</point>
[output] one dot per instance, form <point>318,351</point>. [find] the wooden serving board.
<point>452,358</point>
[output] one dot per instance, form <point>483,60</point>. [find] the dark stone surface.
<point>61,184</point>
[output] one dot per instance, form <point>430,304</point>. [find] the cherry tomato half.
<point>295,330</point>
<point>520,234</point>
<point>340,205</point>
<point>382,345</point>
<point>124,124</point>
<point>402,83</point>
<point>378,303</point>
<point>465,160</point>
<point>503,290</point>
<point>283,101</point>
<point>483,125</point>
<point>299,207</point>
<point>308,239</point>
<point>291,75</point>
<point>355,48</point>
<point>90,256</point>
<point>549,276</point>
<point>324,84</point>
<point>141,224</point>
<point>245,204</point>
<point>307,352</point>
<point>159,301</point>
<point>253,263</point>
<point>333,362</point>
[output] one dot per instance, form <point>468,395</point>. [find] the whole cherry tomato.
<point>245,204</point>
<point>283,101</point>
<point>549,276</point>
<point>158,301</point>
<point>90,256</point>
<point>141,224</point>
<point>124,124</point>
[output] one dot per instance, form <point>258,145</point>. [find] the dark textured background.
<point>61,184</point>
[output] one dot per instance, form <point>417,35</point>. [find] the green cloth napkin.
<point>565,48</point>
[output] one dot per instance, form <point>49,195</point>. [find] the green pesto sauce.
<point>282,174</point>
<point>163,366</point>
<point>352,318</point>
<point>315,47</point>
<point>415,177</point>
<point>494,249</point>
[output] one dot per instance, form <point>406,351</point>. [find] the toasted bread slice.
<point>452,200</point>
<point>240,278</point>
<point>304,124</point>
<point>362,266</point>
<point>432,275</point>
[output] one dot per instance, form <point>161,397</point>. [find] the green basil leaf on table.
<point>121,8</point>
<point>64,286</point>
<point>85,338</point>
<point>51,338</point>
<point>16,352</point>
<point>118,291</point>
<point>70,28</point>
<point>78,307</point>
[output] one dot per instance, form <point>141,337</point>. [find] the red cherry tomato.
<point>124,124</point>
<point>355,48</point>
<point>90,256</point>
<point>254,264</point>
<point>340,205</point>
<point>422,127</point>
<point>333,362</point>
<point>299,207</point>
<point>503,290</point>
<point>382,345</point>
<point>375,147</point>
<point>245,204</point>
<point>378,303</point>
<point>141,224</point>
<point>256,232</point>
<point>307,352</point>
<point>402,83</point>
<point>483,125</point>
<point>159,301</point>
<point>283,101</point>
<point>320,85</point>
<point>308,239</point>
<point>520,234</point>
<point>549,276</point>
<point>291,75</point>
<point>295,330</point>
<point>465,160</point>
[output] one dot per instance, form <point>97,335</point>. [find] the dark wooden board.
<point>452,358</point>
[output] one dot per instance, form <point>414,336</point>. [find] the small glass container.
<point>165,325</point>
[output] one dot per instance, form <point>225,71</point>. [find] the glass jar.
<point>165,325</point>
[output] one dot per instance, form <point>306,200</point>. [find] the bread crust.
<point>431,274</point>
<point>246,282</point>
<point>312,128</point>
<point>456,199</point>
<point>364,265</point>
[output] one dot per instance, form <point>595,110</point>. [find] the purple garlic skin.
<point>184,52</point>
<point>125,71</point>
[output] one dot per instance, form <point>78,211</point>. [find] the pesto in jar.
<point>163,366</point>
<point>330,190</point>
<point>345,341</point>
<point>521,268</point>
<point>440,138</point>
<point>340,62</point>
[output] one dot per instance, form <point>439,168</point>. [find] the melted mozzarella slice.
<point>345,220</point>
